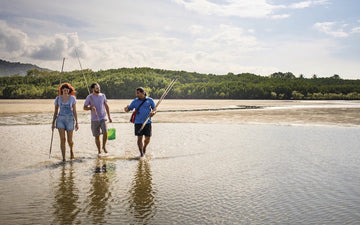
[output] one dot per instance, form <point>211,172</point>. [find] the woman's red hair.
<point>67,85</point>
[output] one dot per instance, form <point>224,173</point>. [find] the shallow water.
<point>192,174</point>
<point>279,112</point>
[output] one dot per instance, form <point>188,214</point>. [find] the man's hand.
<point>152,113</point>
<point>93,109</point>
<point>126,109</point>
<point>110,120</point>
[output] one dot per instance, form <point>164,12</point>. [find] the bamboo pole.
<point>167,90</point>
<point>52,133</point>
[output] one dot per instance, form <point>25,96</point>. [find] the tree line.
<point>121,84</point>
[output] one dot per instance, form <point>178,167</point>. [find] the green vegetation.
<point>10,68</point>
<point>121,83</point>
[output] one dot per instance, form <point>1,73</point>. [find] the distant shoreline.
<point>282,112</point>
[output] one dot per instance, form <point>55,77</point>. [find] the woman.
<point>66,117</point>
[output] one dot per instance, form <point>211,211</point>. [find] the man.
<point>97,103</point>
<point>145,107</point>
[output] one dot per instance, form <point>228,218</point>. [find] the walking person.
<point>65,119</point>
<point>97,103</point>
<point>144,106</point>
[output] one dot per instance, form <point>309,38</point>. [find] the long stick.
<point>62,69</point>
<point>167,90</point>
<point>52,137</point>
<point>87,86</point>
<point>52,133</point>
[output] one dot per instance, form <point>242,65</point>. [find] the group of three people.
<point>66,119</point>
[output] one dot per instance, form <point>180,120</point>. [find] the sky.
<point>305,37</point>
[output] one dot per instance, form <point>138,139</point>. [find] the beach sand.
<point>346,113</point>
<point>208,162</point>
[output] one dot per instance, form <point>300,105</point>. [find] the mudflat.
<point>346,113</point>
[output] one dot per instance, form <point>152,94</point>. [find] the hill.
<point>121,83</point>
<point>12,68</point>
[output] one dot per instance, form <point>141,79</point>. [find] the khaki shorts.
<point>96,126</point>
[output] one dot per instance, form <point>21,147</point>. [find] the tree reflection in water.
<point>66,198</point>
<point>142,195</point>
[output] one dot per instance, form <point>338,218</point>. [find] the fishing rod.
<point>52,133</point>
<point>52,138</point>
<point>111,137</point>
<point>167,90</point>
<point>87,86</point>
<point>62,69</point>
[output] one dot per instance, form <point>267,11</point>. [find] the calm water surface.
<point>193,174</point>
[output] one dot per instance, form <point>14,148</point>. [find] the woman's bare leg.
<point>62,142</point>
<point>71,142</point>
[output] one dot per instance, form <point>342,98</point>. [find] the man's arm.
<point>87,105</point>
<point>130,107</point>
<point>108,111</point>
<point>153,107</point>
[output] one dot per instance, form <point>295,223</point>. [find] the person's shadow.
<point>66,198</point>
<point>142,194</point>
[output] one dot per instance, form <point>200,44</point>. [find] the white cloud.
<point>217,50</point>
<point>227,38</point>
<point>336,29</point>
<point>196,29</point>
<point>14,43</point>
<point>239,8</point>
<point>355,30</point>
<point>11,40</point>
<point>328,28</point>
<point>301,5</point>
<point>53,47</point>
<point>245,8</point>
<point>283,16</point>
<point>307,4</point>
<point>308,57</point>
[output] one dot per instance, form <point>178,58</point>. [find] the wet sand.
<point>344,113</point>
<point>209,162</point>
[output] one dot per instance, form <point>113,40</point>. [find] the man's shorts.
<point>96,126</point>
<point>146,131</point>
<point>65,122</point>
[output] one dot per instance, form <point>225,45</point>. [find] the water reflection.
<point>99,193</point>
<point>142,194</point>
<point>66,198</point>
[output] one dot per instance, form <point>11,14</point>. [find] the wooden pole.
<point>52,133</point>
<point>52,137</point>
<point>62,69</point>
<point>167,90</point>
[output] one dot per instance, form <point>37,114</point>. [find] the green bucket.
<point>111,133</point>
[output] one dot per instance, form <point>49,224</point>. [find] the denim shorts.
<point>65,122</point>
<point>96,126</point>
